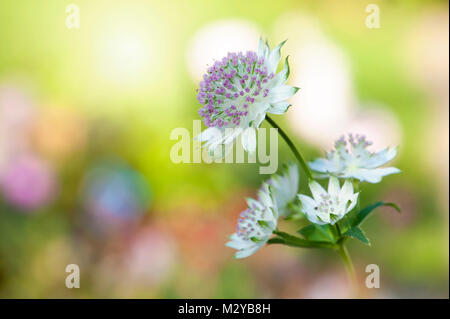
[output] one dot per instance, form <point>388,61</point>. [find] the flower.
<point>284,188</point>
<point>255,224</point>
<point>328,207</point>
<point>28,182</point>
<point>237,92</point>
<point>357,162</point>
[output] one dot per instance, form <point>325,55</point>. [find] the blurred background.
<point>85,119</point>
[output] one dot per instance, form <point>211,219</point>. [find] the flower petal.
<point>279,107</point>
<point>346,190</point>
<point>281,93</point>
<point>247,252</point>
<point>381,158</point>
<point>239,244</point>
<point>322,165</point>
<point>333,186</point>
<point>353,200</point>
<point>281,76</point>
<point>208,134</point>
<point>274,58</point>
<point>316,190</point>
<point>373,175</point>
<point>308,203</point>
<point>261,48</point>
<point>231,134</point>
<point>249,140</point>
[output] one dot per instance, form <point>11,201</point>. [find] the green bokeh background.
<point>195,205</point>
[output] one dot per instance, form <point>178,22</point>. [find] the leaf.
<point>357,233</point>
<point>363,213</point>
<point>318,232</point>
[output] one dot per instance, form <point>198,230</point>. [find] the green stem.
<point>338,231</point>
<point>291,145</point>
<point>343,252</point>
<point>300,242</point>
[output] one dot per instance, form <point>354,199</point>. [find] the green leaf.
<point>318,232</point>
<point>363,213</point>
<point>357,233</point>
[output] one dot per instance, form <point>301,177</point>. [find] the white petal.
<point>346,190</point>
<point>231,134</point>
<point>322,165</point>
<point>274,58</point>
<point>279,107</point>
<point>284,187</point>
<point>333,186</point>
<point>308,204</point>
<point>266,52</point>
<point>323,218</point>
<point>247,252</point>
<point>259,118</point>
<point>253,203</point>
<point>374,175</point>
<point>281,76</point>
<point>316,190</point>
<point>281,93</point>
<point>265,198</point>
<point>239,244</point>
<point>249,140</point>
<point>353,200</point>
<point>208,134</point>
<point>261,48</point>
<point>381,158</point>
<point>308,207</point>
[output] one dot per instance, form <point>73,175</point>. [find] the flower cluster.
<point>327,207</point>
<point>255,224</point>
<point>356,161</point>
<point>260,219</point>
<point>236,94</point>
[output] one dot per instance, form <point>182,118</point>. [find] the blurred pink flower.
<point>16,115</point>
<point>16,107</point>
<point>150,256</point>
<point>27,182</point>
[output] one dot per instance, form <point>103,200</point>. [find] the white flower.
<point>328,207</point>
<point>255,225</point>
<point>284,188</point>
<point>237,92</point>
<point>357,162</point>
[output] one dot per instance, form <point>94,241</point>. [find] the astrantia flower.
<point>284,188</point>
<point>328,207</point>
<point>356,162</point>
<point>238,91</point>
<point>255,225</point>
